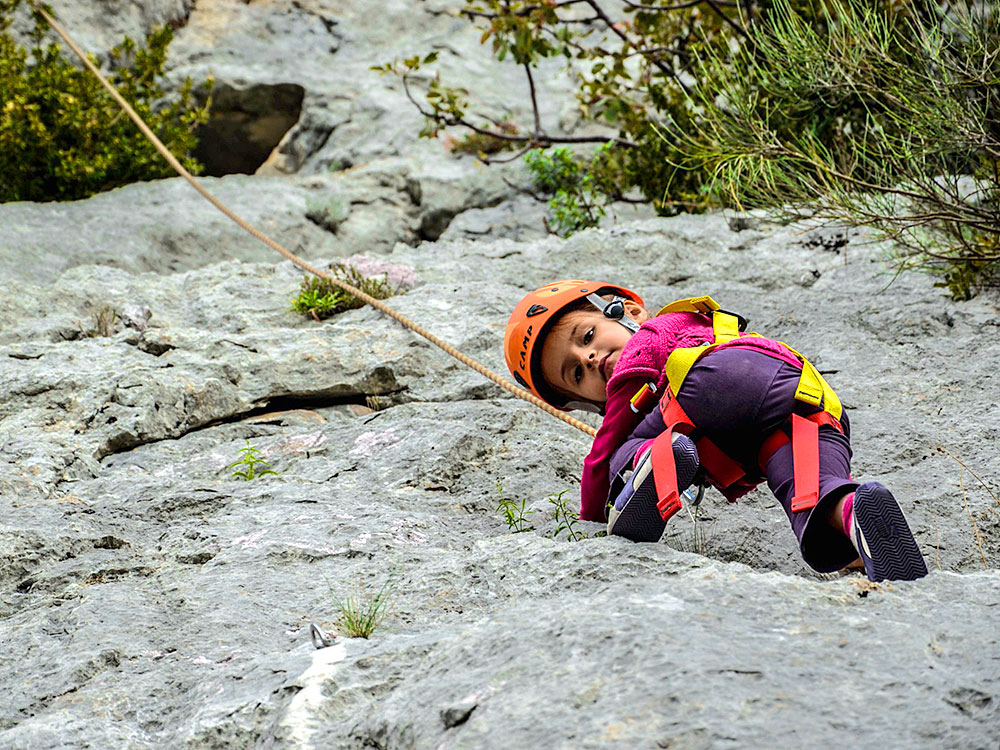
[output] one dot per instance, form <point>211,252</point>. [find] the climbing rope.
<point>274,245</point>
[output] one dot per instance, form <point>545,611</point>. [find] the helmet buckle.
<point>615,309</point>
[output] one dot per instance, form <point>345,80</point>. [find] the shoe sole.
<point>893,552</point>
<point>639,519</point>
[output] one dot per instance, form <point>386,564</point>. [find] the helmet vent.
<point>536,310</point>
<point>522,381</point>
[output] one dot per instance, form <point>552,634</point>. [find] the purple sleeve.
<point>651,426</point>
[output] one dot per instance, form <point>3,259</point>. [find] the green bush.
<point>878,119</point>
<point>63,137</point>
<point>862,111</point>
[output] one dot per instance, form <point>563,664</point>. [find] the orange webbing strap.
<point>668,499</point>
<point>805,455</point>
<point>723,470</point>
<point>805,463</point>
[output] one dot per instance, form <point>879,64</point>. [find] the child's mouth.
<point>606,369</point>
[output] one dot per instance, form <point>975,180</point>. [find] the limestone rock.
<point>150,597</point>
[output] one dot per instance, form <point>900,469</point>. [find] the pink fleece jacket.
<point>642,360</point>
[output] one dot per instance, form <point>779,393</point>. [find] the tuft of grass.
<point>320,298</point>
<point>699,531</point>
<point>104,321</point>
<point>515,514</point>
<point>249,463</point>
<point>375,402</point>
<point>701,541</point>
<point>359,615</point>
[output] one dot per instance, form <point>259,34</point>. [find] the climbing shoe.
<point>882,537</point>
<point>635,515</point>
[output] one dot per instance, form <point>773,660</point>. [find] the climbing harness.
<point>723,471</point>
<point>538,311</point>
<point>274,245</point>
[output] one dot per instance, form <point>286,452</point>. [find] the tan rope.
<point>273,244</point>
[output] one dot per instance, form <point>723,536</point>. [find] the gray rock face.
<point>149,598</point>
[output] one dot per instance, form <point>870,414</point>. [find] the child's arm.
<point>619,421</point>
<point>641,361</point>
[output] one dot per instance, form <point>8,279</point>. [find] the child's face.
<point>581,351</point>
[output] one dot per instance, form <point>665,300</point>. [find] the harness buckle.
<point>668,506</point>
<point>645,398</point>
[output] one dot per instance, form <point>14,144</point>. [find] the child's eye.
<point>577,373</point>
<point>588,336</point>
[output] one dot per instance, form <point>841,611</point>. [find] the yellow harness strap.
<point>704,305</point>
<point>812,388</point>
<point>725,327</point>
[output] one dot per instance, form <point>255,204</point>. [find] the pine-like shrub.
<point>63,137</point>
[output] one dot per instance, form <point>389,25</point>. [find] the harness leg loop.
<point>805,463</point>
<point>668,500</point>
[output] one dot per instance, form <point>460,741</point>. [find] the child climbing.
<point>689,397</point>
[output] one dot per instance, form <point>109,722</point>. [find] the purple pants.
<point>737,397</point>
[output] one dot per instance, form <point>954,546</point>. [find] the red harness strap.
<point>805,455</point>
<point>717,464</point>
<point>723,470</point>
<point>668,500</point>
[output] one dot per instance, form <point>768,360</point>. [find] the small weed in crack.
<point>514,513</point>
<point>248,465</point>
<point>361,615</point>
<point>320,298</point>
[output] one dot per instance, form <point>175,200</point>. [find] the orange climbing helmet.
<point>534,316</point>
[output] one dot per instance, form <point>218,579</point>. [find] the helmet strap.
<point>614,310</point>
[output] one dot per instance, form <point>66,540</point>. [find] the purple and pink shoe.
<point>882,537</point>
<point>635,515</point>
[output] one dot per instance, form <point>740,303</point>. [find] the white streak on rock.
<point>299,718</point>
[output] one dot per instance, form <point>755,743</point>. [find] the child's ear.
<point>636,311</point>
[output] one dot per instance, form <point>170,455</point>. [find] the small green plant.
<point>576,202</point>
<point>320,298</point>
<point>62,137</point>
<point>248,465</point>
<point>515,514</point>
<point>104,320</point>
<point>566,519</point>
<point>361,615</point>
